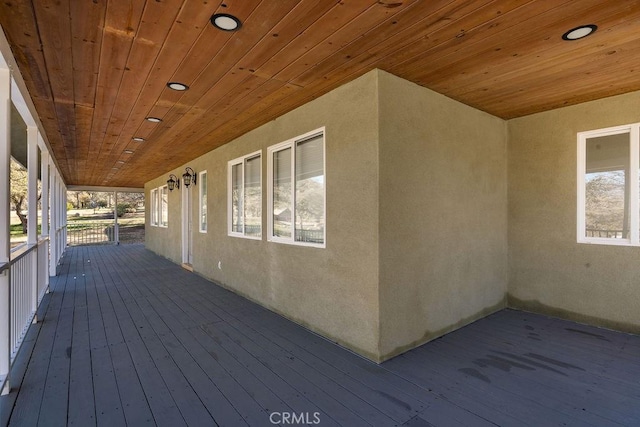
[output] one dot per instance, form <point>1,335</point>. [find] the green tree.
<point>19,198</point>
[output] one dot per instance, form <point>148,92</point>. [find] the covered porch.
<point>128,337</point>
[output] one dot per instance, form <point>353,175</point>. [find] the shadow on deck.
<point>129,338</point>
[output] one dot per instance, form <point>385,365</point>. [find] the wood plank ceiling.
<point>96,69</point>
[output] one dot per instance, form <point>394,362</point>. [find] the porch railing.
<point>28,282</point>
<point>615,234</point>
<point>61,239</point>
<point>43,267</point>
<point>24,272</point>
<point>87,233</point>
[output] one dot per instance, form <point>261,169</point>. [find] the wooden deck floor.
<point>129,338</point>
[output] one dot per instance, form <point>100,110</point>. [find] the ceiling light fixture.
<point>128,151</point>
<point>138,139</point>
<point>120,161</point>
<point>225,22</point>
<point>153,119</point>
<point>579,32</point>
<point>177,86</point>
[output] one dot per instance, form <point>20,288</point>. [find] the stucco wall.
<point>334,290</point>
<point>437,214</point>
<point>443,214</point>
<point>549,271</point>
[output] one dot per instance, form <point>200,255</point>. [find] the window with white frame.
<point>245,196</point>
<point>154,207</point>
<point>164,206</point>
<point>296,190</point>
<point>609,186</point>
<point>203,202</point>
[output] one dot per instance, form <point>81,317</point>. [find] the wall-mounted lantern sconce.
<point>173,182</point>
<point>188,177</point>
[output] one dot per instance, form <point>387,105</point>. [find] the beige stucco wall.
<point>437,214</point>
<point>549,271</point>
<point>334,290</point>
<point>443,214</point>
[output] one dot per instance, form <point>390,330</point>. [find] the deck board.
<point>127,337</point>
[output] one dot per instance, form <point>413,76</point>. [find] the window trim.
<point>153,209</point>
<point>242,160</point>
<point>200,205</point>
<point>163,188</point>
<point>634,190</point>
<point>291,143</point>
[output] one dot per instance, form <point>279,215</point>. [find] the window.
<point>245,196</point>
<point>297,191</point>
<point>609,186</point>
<point>164,206</point>
<point>154,207</point>
<point>203,201</point>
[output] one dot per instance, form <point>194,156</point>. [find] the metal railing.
<point>90,233</point>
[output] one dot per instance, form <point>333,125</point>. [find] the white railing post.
<point>5,280</point>
<point>32,210</point>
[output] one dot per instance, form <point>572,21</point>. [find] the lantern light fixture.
<point>188,176</point>
<point>173,182</point>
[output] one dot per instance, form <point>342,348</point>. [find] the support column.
<point>53,237</point>
<point>32,185</point>
<point>32,210</point>
<point>44,174</point>
<point>116,232</point>
<point>64,217</point>
<point>5,251</point>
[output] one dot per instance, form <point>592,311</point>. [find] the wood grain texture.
<point>96,69</point>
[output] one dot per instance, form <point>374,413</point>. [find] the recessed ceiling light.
<point>138,139</point>
<point>579,32</point>
<point>120,161</point>
<point>177,86</point>
<point>154,119</point>
<point>225,22</point>
<point>128,151</point>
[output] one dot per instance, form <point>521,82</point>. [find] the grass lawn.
<point>131,224</point>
